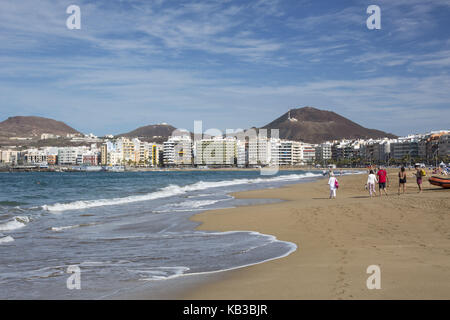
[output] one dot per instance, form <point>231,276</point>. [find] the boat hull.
<point>441,182</point>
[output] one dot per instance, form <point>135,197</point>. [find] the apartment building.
<point>177,151</point>
<point>323,151</point>
<point>33,156</point>
<point>9,156</point>
<point>68,156</point>
<point>405,148</point>
<point>286,153</point>
<point>259,152</point>
<point>156,155</point>
<point>308,153</point>
<point>216,151</point>
<point>444,145</point>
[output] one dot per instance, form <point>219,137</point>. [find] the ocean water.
<point>123,230</point>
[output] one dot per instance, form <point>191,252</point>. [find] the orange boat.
<point>439,181</point>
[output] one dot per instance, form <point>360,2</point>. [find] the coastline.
<point>337,240</point>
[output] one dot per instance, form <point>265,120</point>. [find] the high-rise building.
<point>217,151</point>
<point>323,151</point>
<point>308,153</point>
<point>444,146</point>
<point>258,151</point>
<point>177,151</point>
<point>104,154</point>
<point>285,153</point>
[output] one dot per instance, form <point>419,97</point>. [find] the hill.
<point>155,132</point>
<point>31,126</point>
<point>315,126</point>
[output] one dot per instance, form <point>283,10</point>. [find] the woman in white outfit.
<point>332,184</point>
<point>371,181</point>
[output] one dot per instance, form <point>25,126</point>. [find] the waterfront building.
<point>258,151</point>
<point>242,153</point>
<point>104,154</point>
<point>308,153</point>
<point>156,155</point>
<point>177,150</point>
<point>323,151</point>
<point>9,156</point>
<point>444,146</point>
<point>90,158</point>
<point>35,156</point>
<point>285,152</point>
<point>52,159</point>
<point>405,149</point>
<point>217,151</point>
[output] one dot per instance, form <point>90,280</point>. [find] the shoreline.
<point>335,244</point>
<point>177,287</point>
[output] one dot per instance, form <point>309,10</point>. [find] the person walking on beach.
<point>382,180</point>
<point>419,174</point>
<point>402,180</point>
<point>371,180</point>
<point>332,182</point>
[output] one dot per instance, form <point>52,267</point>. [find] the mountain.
<point>315,126</point>
<point>33,127</point>
<point>155,132</point>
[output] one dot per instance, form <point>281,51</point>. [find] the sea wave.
<point>6,239</point>
<point>171,190</point>
<point>188,205</point>
<point>16,223</point>
<point>57,229</point>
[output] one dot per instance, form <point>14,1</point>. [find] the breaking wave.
<point>171,190</point>
<point>16,223</point>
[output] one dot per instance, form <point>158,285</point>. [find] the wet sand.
<point>407,236</point>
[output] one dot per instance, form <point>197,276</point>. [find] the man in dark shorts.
<point>382,180</point>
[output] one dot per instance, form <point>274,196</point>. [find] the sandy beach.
<point>407,236</point>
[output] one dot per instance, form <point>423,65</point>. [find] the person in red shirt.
<point>382,180</point>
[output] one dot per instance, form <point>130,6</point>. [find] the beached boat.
<point>440,181</point>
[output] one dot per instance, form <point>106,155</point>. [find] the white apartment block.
<point>9,156</point>
<point>216,151</point>
<point>177,151</point>
<point>286,153</point>
<point>68,155</point>
<point>308,153</point>
<point>259,151</point>
<point>33,156</point>
<point>241,153</point>
<point>114,158</point>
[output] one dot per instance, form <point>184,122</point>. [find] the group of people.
<point>379,176</point>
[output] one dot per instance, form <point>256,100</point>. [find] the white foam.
<point>181,271</point>
<point>16,223</point>
<point>71,227</point>
<point>162,273</point>
<point>171,190</point>
<point>6,239</point>
<point>64,228</point>
<point>190,205</point>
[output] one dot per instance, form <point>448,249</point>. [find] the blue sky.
<point>231,64</point>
